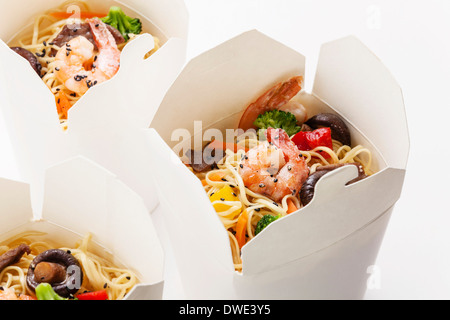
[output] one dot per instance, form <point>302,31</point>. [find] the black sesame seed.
<point>222,199</point>
<point>45,43</point>
<point>69,252</point>
<point>40,55</point>
<point>242,166</point>
<point>261,185</point>
<point>128,278</point>
<point>105,285</point>
<point>57,69</point>
<point>234,194</point>
<point>276,180</point>
<point>258,209</point>
<point>212,194</point>
<point>223,179</point>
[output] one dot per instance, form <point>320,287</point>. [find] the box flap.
<point>15,204</point>
<point>83,196</point>
<point>225,78</point>
<point>352,80</point>
<point>336,212</point>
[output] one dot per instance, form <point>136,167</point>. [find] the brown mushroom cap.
<point>339,130</point>
<point>58,268</point>
<point>308,188</point>
<point>34,62</point>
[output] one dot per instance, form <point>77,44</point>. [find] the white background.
<point>413,39</point>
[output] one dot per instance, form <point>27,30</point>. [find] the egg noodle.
<point>256,205</point>
<point>45,29</point>
<point>99,273</point>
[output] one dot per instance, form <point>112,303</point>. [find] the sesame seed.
<point>222,199</point>
<point>105,285</point>
<point>261,185</point>
<point>258,209</point>
<point>276,180</point>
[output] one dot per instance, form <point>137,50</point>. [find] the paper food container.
<point>83,198</point>
<point>103,124</point>
<point>322,251</point>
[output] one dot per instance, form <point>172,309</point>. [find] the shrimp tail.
<point>274,98</point>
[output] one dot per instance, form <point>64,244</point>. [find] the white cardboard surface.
<point>80,198</point>
<point>338,234</point>
<point>105,122</point>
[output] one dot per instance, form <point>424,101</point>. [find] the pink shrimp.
<point>274,98</point>
<point>77,65</point>
<point>274,168</point>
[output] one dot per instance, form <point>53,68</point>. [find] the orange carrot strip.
<point>291,206</point>
<point>82,15</point>
<point>241,227</point>
<point>204,183</point>
<point>62,104</point>
<point>216,176</point>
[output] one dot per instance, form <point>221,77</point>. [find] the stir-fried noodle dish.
<point>34,268</point>
<point>73,49</point>
<point>270,171</point>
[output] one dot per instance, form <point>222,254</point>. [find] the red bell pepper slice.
<point>95,295</point>
<point>309,140</point>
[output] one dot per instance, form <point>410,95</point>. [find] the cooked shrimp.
<point>274,98</point>
<point>79,67</point>
<point>274,168</point>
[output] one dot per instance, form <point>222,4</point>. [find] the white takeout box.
<point>81,198</point>
<point>104,123</point>
<point>323,251</point>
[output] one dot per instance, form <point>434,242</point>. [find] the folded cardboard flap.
<point>220,82</point>
<point>335,212</point>
<point>15,204</point>
<point>86,198</point>
<point>354,81</point>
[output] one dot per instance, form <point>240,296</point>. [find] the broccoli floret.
<point>264,222</point>
<point>278,119</point>
<point>125,24</point>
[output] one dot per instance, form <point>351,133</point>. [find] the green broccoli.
<point>125,24</point>
<point>278,119</point>
<point>44,291</point>
<point>264,222</point>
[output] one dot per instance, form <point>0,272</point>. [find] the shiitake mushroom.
<point>308,188</point>
<point>339,130</point>
<point>34,62</point>
<point>57,267</point>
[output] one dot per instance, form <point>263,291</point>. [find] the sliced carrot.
<point>62,104</point>
<point>241,227</point>
<point>82,15</point>
<point>204,183</point>
<point>220,145</point>
<point>291,206</point>
<point>217,176</point>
